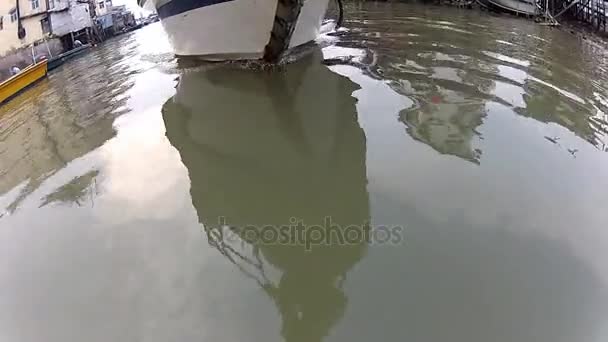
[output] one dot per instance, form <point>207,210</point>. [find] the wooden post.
<point>33,54</point>
<point>48,48</point>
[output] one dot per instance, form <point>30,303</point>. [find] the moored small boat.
<point>22,80</point>
<point>238,29</point>
<point>58,60</point>
<point>525,7</point>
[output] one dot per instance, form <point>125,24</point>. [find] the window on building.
<point>46,25</point>
<point>51,4</point>
<point>35,4</point>
<point>101,4</point>
<point>13,14</point>
<point>1,22</point>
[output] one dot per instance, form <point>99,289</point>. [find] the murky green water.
<point>483,137</point>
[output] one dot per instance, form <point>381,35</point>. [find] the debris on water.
<point>338,60</point>
<point>199,65</point>
<point>294,55</point>
<point>553,140</point>
<point>436,99</point>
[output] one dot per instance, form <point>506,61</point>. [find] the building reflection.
<point>447,121</point>
<point>561,94</point>
<point>267,149</point>
<point>59,120</point>
<point>424,61</point>
<point>450,70</point>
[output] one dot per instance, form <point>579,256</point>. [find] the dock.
<point>589,12</point>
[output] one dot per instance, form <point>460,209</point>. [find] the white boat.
<point>238,29</point>
<point>525,7</point>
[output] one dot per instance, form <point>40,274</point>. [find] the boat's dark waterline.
<point>176,7</point>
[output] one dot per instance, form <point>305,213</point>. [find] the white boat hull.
<point>309,22</point>
<point>526,7</point>
<point>232,29</point>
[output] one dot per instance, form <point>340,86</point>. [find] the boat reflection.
<point>267,149</point>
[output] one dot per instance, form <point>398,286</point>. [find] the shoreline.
<point>584,30</point>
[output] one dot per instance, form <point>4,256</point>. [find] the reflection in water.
<point>74,191</point>
<point>505,245</point>
<point>452,69</point>
<point>476,284</point>
<point>62,119</point>
<point>264,148</point>
<point>447,123</point>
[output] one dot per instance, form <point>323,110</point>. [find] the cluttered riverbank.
<point>589,17</point>
<point>50,30</point>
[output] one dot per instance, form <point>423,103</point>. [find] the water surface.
<point>483,137</point>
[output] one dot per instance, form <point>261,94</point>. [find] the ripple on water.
<point>525,67</point>
<point>488,156</point>
<point>66,116</point>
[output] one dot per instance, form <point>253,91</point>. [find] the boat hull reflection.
<point>266,149</point>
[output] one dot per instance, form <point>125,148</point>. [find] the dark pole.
<point>340,13</point>
<point>286,16</point>
<point>20,28</point>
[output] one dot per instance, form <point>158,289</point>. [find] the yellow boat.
<point>17,83</point>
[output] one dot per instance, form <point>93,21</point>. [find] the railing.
<point>590,12</point>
